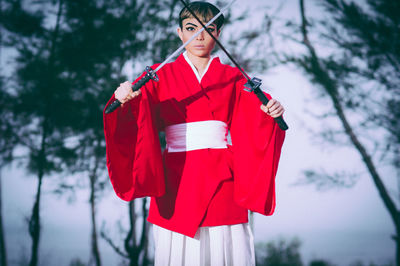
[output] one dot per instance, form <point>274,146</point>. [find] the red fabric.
<point>206,187</point>
<point>257,141</point>
<point>134,156</point>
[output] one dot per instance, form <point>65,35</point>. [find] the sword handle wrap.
<point>253,85</point>
<point>149,75</point>
<point>281,123</point>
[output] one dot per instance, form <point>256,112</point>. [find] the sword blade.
<point>253,84</point>
<point>193,37</point>
<point>151,74</point>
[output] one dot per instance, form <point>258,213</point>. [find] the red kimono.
<point>204,187</point>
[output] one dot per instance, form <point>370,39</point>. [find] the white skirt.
<point>225,245</point>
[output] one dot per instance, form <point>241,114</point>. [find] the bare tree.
<point>8,142</point>
<point>135,245</point>
<point>95,77</point>
<point>41,99</point>
<point>360,76</point>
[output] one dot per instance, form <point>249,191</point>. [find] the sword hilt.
<point>253,85</point>
<point>150,74</point>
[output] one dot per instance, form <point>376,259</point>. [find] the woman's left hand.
<point>273,108</point>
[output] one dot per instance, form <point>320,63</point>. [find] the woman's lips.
<point>199,46</point>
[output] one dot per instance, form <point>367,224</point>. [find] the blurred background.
<point>333,64</point>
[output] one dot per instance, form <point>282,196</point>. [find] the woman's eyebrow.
<point>191,24</point>
<point>197,25</point>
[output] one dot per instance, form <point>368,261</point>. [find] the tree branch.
<point>330,87</point>
<point>113,246</point>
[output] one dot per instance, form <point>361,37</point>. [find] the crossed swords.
<point>252,85</point>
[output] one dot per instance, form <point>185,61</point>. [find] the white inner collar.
<point>194,68</point>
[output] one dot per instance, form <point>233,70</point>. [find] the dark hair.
<point>203,10</point>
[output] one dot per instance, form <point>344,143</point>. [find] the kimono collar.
<point>194,68</point>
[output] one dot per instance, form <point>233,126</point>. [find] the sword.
<point>151,74</point>
<point>252,85</point>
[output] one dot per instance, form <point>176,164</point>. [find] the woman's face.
<point>203,44</point>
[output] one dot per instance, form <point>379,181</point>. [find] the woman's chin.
<point>200,52</point>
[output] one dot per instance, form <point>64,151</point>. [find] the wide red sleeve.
<point>133,149</point>
<point>257,141</point>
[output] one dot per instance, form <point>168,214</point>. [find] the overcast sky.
<point>339,225</point>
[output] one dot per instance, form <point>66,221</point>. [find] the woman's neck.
<point>200,63</point>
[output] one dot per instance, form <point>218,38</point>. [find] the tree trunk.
<point>93,179</point>
<point>144,243</point>
<point>95,249</point>
<point>34,222</point>
<point>130,240</point>
<point>3,252</point>
<point>133,248</point>
<point>329,85</point>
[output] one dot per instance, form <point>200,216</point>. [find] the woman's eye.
<point>193,29</point>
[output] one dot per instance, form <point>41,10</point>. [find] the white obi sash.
<point>210,134</point>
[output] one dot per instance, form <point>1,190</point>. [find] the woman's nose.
<point>200,36</point>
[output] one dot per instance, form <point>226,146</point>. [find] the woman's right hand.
<point>124,92</point>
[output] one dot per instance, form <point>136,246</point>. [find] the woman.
<point>201,187</point>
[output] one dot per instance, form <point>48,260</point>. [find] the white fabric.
<point>225,245</point>
<point>194,68</point>
<point>196,135</point>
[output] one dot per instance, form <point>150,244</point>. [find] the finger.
<point>264,108</point>
<point>129,93</point>
<point>136,93</point>
<point>117,94</point>
<point>127,86</point>
<point>276,115</point>
<point>271,103</point>
<point>277,112</point>
<point>274,107</point>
